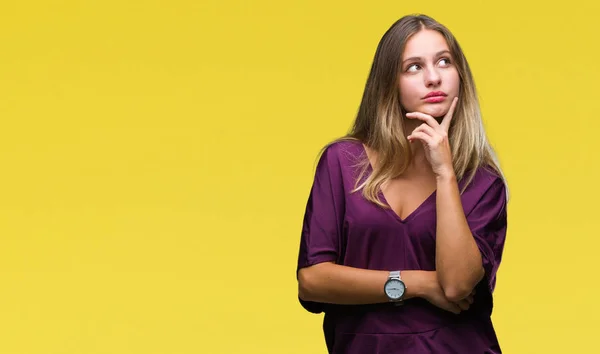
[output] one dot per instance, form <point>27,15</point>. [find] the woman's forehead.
<point>425,44</point>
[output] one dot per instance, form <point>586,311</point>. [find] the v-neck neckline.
<point>408,217</point>
<point>389,208</point>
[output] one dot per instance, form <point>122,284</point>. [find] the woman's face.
<point>428,78</point>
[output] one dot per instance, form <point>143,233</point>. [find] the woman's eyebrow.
<point>436,54</point>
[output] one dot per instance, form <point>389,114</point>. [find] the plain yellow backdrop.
<point>157,156</point>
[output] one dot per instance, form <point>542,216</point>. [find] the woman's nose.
<point>432,78</point>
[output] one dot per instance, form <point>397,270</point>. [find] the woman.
<point>406,220</point>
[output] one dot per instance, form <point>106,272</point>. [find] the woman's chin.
<point>436,111</point>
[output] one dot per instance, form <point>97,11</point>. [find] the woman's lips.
<point>435,99</point>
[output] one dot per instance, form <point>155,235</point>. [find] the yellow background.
<point>156,158</point>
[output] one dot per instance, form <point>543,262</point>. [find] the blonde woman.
<point>406,219</point>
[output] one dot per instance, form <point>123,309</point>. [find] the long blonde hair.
<point>379,126</point>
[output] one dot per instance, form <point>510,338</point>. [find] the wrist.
<point>445,176</point>
<point>417,283</point>
<point>427,283</point>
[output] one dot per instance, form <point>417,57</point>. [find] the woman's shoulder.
<point>486,182</point>
<point>344,151</point>
<point>486,176</point>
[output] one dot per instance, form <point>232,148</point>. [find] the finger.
<point>448,117</point>
<point>420,136</point>
<point>470,299</point>
<point>425,118</point>
<point>425,129</point>
<point>463,304</point>
<point>454,308</point>
<point>435,138</point>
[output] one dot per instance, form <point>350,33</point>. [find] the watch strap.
<point>395,274</point>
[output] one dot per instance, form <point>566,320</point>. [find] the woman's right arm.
<point>332,283</point>
<point>338,284</point>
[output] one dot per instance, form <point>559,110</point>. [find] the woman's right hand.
<point>435,295</point>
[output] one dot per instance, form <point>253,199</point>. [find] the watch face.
<point>394,289</point>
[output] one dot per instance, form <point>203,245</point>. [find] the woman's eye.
<point>445,60</point>
<point>412,68</point>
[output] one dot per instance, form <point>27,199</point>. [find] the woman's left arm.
<point>467,247</point>
<point>458,259</point>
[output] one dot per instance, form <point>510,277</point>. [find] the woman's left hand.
<point>434,137</point>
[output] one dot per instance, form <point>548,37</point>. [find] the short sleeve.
<point>488,224</point>
<point>323,217</point>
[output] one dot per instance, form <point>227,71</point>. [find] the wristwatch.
<point>394,287</point>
